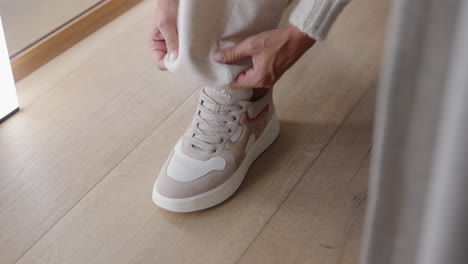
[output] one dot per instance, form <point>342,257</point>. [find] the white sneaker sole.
<point>229,187</point>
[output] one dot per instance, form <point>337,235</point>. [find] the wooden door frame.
<point>67,35</point>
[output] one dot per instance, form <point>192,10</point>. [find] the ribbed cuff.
<point>315,17</point>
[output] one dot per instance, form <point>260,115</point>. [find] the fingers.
<point>260,76</point>
<point>256,77</point>
<point>169,32</point>
<point>164,39</point>
<point>247,79</point>
<point>159,52</point>
<point>246,48</point>
<point>158,49</point>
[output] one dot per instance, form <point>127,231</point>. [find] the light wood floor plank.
<point>117,221</point>
<point>57,149</point>
<point>314,223</point>
<point>352,245</point>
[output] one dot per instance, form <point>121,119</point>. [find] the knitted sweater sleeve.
<point>315,17</point>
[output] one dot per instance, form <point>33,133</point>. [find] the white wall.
<point>8,97</point>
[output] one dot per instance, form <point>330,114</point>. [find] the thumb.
<point>235,53</point>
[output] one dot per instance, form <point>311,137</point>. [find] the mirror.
<point>26,22</point>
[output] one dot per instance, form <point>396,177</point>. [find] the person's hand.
<point>273,53</point>
<point>164,38</point>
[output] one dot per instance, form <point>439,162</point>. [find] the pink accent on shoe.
<point>264,110</point>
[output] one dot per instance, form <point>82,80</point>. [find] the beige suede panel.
<point>256,128</point>
<point>252,127</point>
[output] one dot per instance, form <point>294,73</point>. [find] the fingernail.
<point>218,56</point>
<point>173,55</point>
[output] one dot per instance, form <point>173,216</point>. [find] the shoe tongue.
<point>227,96</point>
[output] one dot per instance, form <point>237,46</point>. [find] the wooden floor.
<point>78,163</point>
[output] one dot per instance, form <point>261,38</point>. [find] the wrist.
<point>296,33</point>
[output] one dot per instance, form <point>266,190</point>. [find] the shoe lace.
<point>210,125</point>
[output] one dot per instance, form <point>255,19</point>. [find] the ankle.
<point>258,93</point>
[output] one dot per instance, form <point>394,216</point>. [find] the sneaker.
<point>210,161</point>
